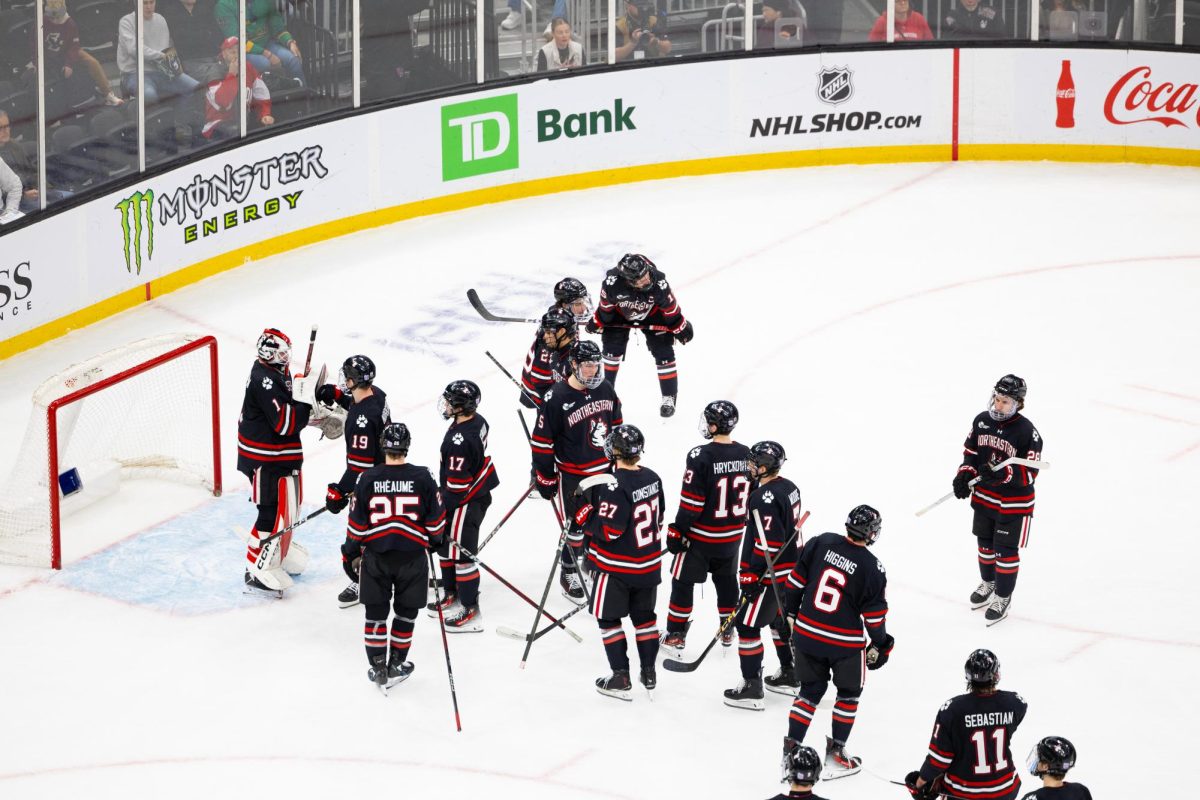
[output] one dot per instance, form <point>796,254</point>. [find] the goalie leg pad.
<point>288,508</point>
<point>296,559</point>
<point>265,562</point>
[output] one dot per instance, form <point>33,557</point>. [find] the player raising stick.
<point>635,294</point>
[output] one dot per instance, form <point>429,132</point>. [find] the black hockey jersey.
<point>570,431</point>
<point>467,470</point>
<point>970,744</point>
<point>982,23</point>
<point>713,501</point>
<point>835,588</point>
<point>1008,491</point>
<point>365,420</point>
<point>270,423</point>
<point>395,507</point>
<point>626,538</point>
<point>544,367</point>
<point>621,304</point>
<point>778,505</point>
<point>1068,791</point>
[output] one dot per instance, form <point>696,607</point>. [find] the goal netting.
<point>147,409</point>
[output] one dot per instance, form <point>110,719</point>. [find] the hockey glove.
<point>685,335</point>
<point>547,489</point>
<point>593,326</point>
<point>751,584</point>
<point>961,488</point>
<point>335,501</point>
<point>922,793</point>
<point>351,560</point>
<point>878,654</point>
<point>437,541</point>
<point>676,541</point>
<point>328,394</point>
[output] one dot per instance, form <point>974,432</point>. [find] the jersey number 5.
<point>389,506</point>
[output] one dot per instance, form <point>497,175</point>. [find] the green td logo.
<point>137,216</point>
<point>479,137</point>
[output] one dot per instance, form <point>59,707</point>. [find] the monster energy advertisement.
<point>202,208</point>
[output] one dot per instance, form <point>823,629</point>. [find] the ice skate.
<point>572,586</point>
<point>839,763</point>
<point>255,587</point>
<point>398,673</point>
<point>784,681</point>
<point>377,673</point>
<point>748,694</point>
<point>667,407</point>
<point>649,679</point>
<point>348,596</point>
<point>982,595</point>
<point>448,602</point>
<point>998,610</point>
<point>616,685</point>
<point>465,619</point>
<point>672,645</point>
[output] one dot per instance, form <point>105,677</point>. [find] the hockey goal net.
<point>147,409</point>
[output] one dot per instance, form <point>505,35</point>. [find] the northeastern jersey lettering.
<point>778,505</point>
<point>270,423</point>
<point>655,305</point>
<point>365,420</point>
<point>571,428</point>
<point>629,517</point>
<point>395,507</point>
<point>543,368</point>
<point>970,745</point>
<point>1008,491</point>
<point>842,586</point>
<point>1068,791</point>
<point>713,501</point>
<point>467,470</point>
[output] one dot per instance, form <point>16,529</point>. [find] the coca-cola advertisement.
<point>1065,97</point>
<point>1141,95</point>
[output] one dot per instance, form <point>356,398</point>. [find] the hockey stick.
<point>445,645</point>
<point>555,622</point>
<point>519,385</point>
<point>473,296</point>
<point>1024,462</point>
<point>524,425</point>
<point>524,496</point>
<point>312,341</point>
<point>292,527</point>
<point>576,559</point>
<point>762,539</point>
<point>522,637</point>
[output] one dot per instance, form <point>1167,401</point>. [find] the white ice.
<point>859,315</point>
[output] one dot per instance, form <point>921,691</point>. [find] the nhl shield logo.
<point>834,85</point>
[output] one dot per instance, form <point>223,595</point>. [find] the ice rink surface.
<point>858,315</point>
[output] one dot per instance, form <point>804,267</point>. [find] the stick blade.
<point>680,666</point>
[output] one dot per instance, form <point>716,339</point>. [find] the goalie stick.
<point>478,305</point>
<point>292,527</point>
<point>312,341</point>
<point>1024,462</point>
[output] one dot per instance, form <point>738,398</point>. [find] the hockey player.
<point>836,587</point>
<point>270,455</point>
<point>802,770</point>
<point>627,554</point>
<point>467,477</point>
<point>1051,759</point>
<point>776,501</point>
<point>969,753</point>
<point>546,363</point>
<point>396,515</point>
<point>367,413</point>
<point>636,295</point>
<point>572,296</point>
<point>568,445</point>
<point>709,524</point>
<point>1003,499</point>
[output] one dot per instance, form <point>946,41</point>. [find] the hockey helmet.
<point>720,413</point>
<point>586,352</point>
<point>982,669</point>
<point>395,439</point>
<point>459,397</point>
<point>557,319</point>
<point>863,524</point>
<point>567,292</point>
<point>633,266</point>
<point>624,441</point>
<point>1056,753</point>
<point>274,347</point>
<point>358,372</point>
<point>1009,386</point>
<point>801,764</point>
<point>766,455</point>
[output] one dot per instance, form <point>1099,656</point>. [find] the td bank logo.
<point>137,218</point>
<point>479,137</point>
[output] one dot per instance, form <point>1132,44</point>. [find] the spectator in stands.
<point>65,58</point>
<point>10,194</point>
<point>197,36</point>
<point>16,159</point>
<point>270,47</point>
<point>764,34</point>
<point>222,96</point>
<point>643,34</point>
<point>910,25</point>
<point>515,14</point>
<point>972,20</point>
<point>164,76</point>
<point>562,52</point>
<point>1060,19</point>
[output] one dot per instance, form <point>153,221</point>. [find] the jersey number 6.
<point>829,590</point>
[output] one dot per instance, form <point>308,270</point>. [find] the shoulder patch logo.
<point>268,384</point>
<point>361,421</point>
<point>1036,438</point>
<point>695,453</point>
<point>983,426</point>
<point>457,438</point>
<point>568,406</point>
<point>768,497</point>
<point>610,280</point>
<point>663,284</point>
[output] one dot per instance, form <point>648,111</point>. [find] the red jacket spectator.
<point>221,97</point>
<point>910,26</point>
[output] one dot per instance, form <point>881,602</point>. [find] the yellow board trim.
<point>585,180</point>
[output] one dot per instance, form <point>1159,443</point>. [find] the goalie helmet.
<point>633,266</point>
<point>982,669</point>
<point>357,372</point>
<point>801,764</point>
<point>459,397</point>
<point>557,319</point>
<point>720,413</point>
<point>863,524</point>
<point>624,441</point>
<point>585,352</point>
<point>395,439</point>
<point>274,347</point>
<point>568,291</point>
<point>1056,753</point>
<point>767,455</point>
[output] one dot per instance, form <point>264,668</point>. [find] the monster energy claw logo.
<point>137,212</point>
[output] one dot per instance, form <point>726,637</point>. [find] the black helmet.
<point>459,397</point>
<point>721,413</point>
<point>395,439</point>
<point>583,352</point>
<point>1056,753</point>
<point>1009,386</point>
<point>357,371</point>
<point>982,669</point>
<point>567,291</point>
<point>766,454</point>
<point>633,266</point>
<point>624,441</point>
<point>557,319</point>
<point>863,524</point>
<point>801,764</point>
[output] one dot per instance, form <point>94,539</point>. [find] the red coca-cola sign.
<point>1137,97</point>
